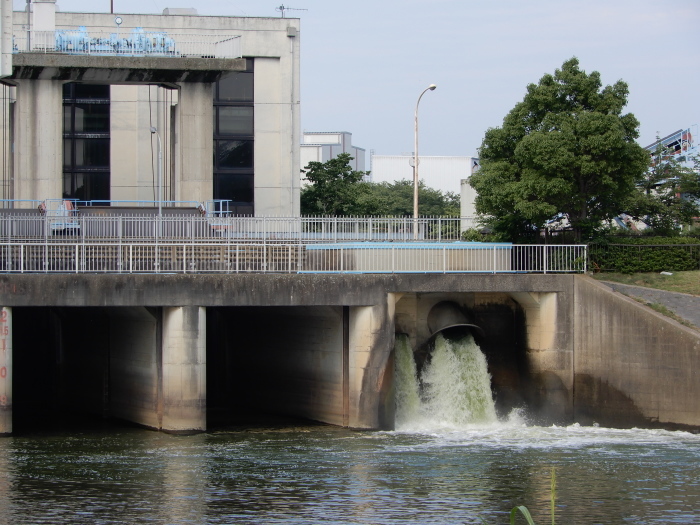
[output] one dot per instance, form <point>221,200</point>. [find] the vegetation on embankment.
<point>684,282</point>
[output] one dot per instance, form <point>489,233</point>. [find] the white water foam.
<point>456,387</point>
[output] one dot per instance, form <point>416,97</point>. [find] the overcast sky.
<point>365,62</point>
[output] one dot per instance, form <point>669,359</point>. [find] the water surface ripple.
<point>319,474</point>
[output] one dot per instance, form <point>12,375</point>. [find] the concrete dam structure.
<point>182,353</point>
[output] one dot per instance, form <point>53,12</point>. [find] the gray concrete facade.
<point>172,94</point>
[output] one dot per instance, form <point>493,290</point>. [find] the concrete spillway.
<point>180,353</point>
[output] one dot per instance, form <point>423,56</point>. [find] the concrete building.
<point>323,146</point>
<point>94,100</point>
<point>440,173</point>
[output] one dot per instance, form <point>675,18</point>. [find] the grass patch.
<point>665,311</point>
<point>684,282</point>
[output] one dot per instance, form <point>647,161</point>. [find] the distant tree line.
<point>335,189</point>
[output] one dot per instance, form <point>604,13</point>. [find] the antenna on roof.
<point>283,8</point>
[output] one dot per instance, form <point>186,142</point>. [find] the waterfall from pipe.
<point>453,390</point>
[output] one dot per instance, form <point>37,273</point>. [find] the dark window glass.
<point>67,118</point>
<point>234,154</point>
<point>86,146</point>
<point>236,86</point>
<point>91,91</point>
<point>237,188</point>
<point>92,153</point>
<point>67,153</point>
<point>86,186</point>
<point>235,120</point>
<point>91,118</point>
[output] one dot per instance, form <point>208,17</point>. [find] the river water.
<point>319,474</point>
<point>441,467</point>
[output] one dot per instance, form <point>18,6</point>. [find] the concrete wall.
<point>281,360</point>
<point>633,366</point>
<point>135,375</point>
<point>320,346</point>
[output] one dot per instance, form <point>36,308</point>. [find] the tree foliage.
<point>669,193</point>
<point>336,189</point>
<point>396,199</point>
<point>566,151</point>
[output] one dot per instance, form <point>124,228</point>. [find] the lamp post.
<point>431,87</point>
<point>160,172</point>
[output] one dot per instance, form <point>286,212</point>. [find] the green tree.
<point>565,150</point>
<point>335,188</point>
<point>396,199</point>
<point>669,193</point>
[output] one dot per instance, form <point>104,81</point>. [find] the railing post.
<point>76,257</point>
<point>545,262</point>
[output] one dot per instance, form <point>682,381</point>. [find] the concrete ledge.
<point>120,69</point>
<point>254,289</point>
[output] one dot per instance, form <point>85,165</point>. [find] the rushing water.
<point>437,469</point>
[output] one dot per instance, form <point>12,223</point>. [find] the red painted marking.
<point>3,372</point>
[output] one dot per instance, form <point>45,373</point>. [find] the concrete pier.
<point>184,369</point>
<point>5,370</point>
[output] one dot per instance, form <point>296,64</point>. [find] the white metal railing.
<point>124,42</point>
<point>82,226</point>
<point>290,258</point>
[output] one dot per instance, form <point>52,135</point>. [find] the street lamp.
<point>160,172</point>
<point>431,87</point>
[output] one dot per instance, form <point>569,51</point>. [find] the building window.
<point>234,140</point>
<point>86,159</point>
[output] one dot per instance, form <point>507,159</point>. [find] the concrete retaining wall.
<point>633,366</point>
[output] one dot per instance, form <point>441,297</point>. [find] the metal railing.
<point>137,42</point>
<point>290,258</point>
<point>195,227</point>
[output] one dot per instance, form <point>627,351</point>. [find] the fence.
<point>289,258</point>
<point>85,228</point>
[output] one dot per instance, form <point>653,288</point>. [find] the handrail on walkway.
<point>374,257</point>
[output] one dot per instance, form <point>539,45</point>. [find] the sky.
<point>364,63</point>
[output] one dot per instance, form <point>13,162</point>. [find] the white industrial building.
<point>94,100</point>
<point>440,173</point>
<point>326,145</point>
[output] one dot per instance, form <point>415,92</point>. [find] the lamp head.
<point>153,129</point>
<point>432,87</point>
